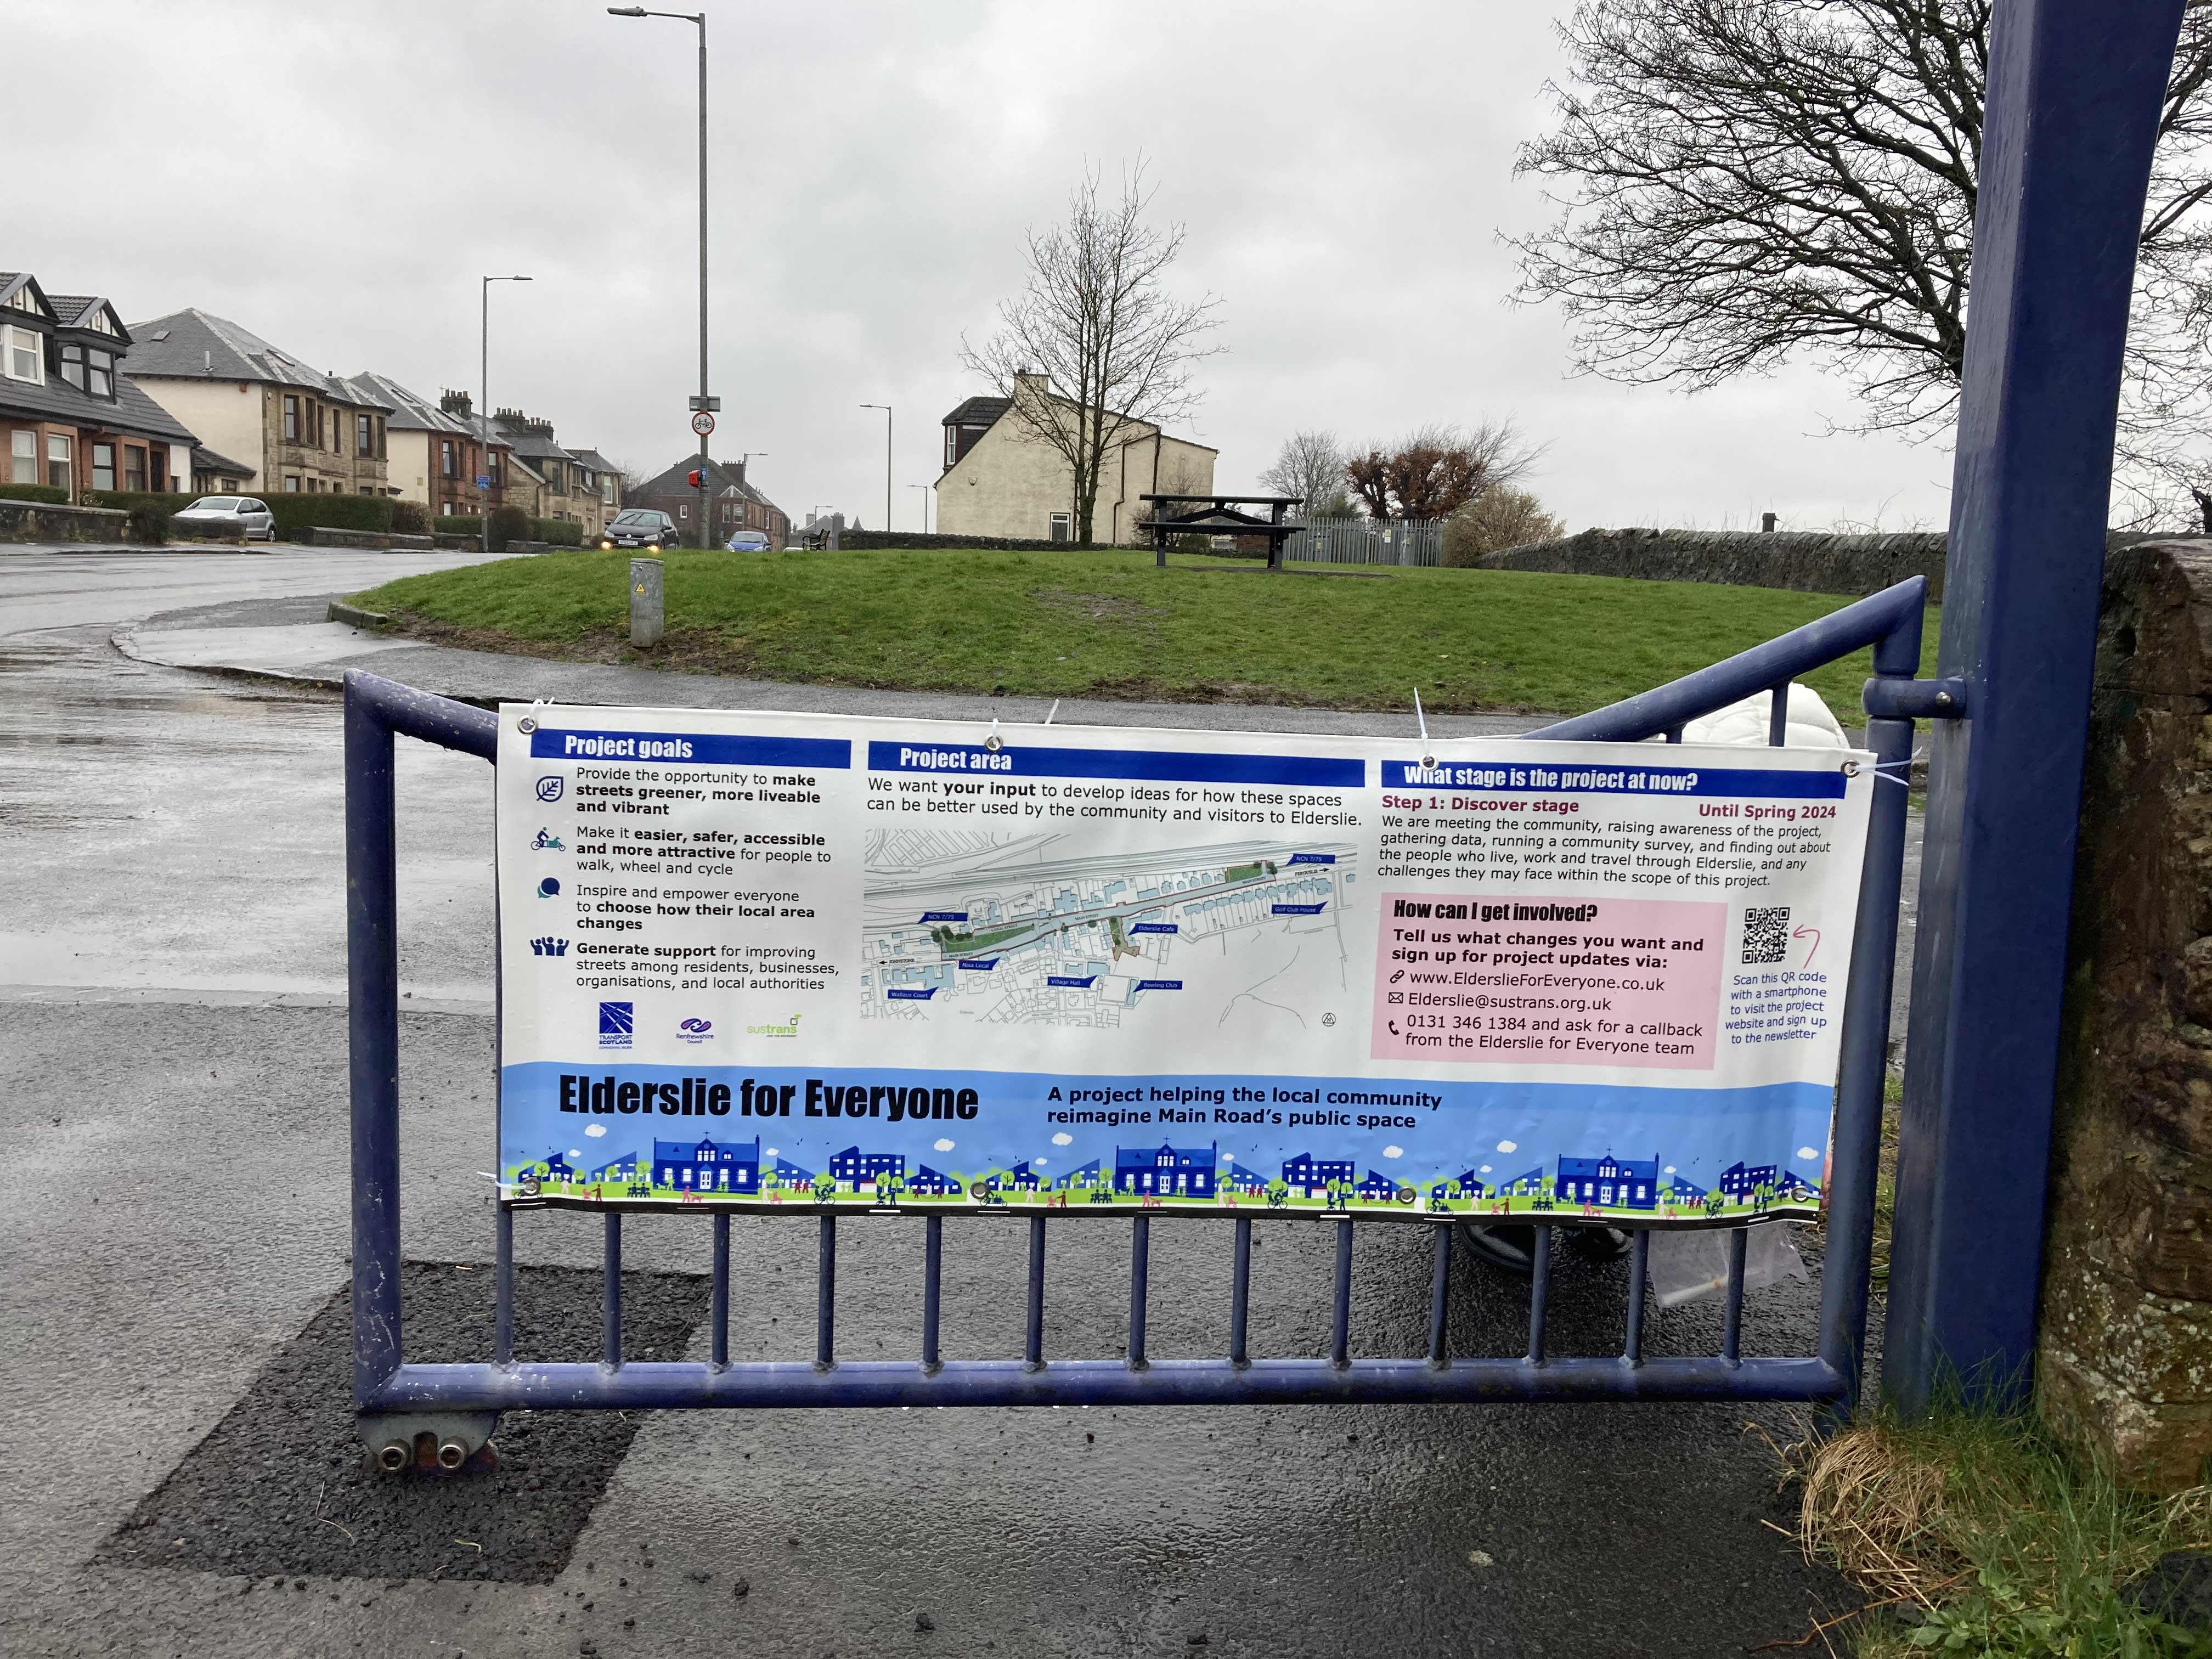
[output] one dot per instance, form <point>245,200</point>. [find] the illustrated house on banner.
<point>706,1165</point>
<point>1020,1178</point>
<point>1308,1177</point>
<point>1624,1183</point>
<point>1378,1188</point>
<point>926,1182</point>
<point>854,1168</point>
<point>788,1174</point>
<point>1244,1178</point>
<point>557,1167</point>
<point>623,1169</point>
<point>1739,1180</point>
<point>1086,1176</point>
<point>1165,1170</point>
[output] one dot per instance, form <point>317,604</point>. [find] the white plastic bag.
<point>1694,1262</point>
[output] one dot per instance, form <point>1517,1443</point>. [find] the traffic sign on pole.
<point>698,401</point>
<point>702,422</point>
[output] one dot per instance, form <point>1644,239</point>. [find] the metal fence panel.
<point>1367,541</point>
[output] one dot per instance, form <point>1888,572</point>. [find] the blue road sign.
<point>483,482</point>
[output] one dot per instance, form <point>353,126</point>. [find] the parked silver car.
<point>227,515</point>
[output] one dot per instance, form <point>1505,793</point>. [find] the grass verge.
<point>1109,624</point>
<point>1977,1535</point>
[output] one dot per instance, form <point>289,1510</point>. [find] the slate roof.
<point>133,413</point>
<point>722,481</point>
<point>197,346</point>
<point>978,411</point>
<point>410,413</point>
<point>206,460</point>
<point>597,462</point>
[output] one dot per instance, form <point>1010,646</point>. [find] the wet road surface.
<point>173,1096</point>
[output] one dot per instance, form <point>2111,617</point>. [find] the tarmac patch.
<point>279,1487</point>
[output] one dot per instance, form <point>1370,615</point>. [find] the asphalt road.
<point>173,1099</point>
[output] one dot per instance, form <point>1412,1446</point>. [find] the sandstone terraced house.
<point>70,418</point>
<point>432,452</point>
<point>300,429</point>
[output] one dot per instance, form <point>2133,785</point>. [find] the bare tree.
<point>1499,518</point>
<point>1747,180</point>
<point>1094,344</point>
<point>1435,471</point>
<point>1310,467</point>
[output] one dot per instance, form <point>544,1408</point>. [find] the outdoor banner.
<point>755,959</point>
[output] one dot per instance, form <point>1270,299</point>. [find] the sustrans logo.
<point>547,842</point>
<point>695,1029</point>
<point>787,1030</point>
<point>549,947</point>
<point>548,789</point>
<point>616,1019</point>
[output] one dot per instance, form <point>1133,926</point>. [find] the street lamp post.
<point>483,390</point>
<point>886,407</point>
<point>706,404</point>
<point>927,492</point>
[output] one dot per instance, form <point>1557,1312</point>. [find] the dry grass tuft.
<point>1876,1508</point>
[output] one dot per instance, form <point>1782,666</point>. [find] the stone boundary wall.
<point>1811,561</point>
<point>879,538</point>
<point>2124,1353</point>
<point>45,521</point>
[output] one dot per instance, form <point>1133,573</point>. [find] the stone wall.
<point>42,521</point>
<point>859,538</point>
<point>1810,562</point>
<point>2125,1361</point>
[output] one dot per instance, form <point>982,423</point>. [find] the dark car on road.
<point>227,515</point>
<point>639,526</point>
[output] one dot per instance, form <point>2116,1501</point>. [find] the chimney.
<point>458,405</point>
<point>1766,524</point>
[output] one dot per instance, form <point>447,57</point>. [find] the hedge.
<point>45,492</point>
<point>150,509</point>
<point>559,532</point>
<point>295,509</point>
<point>456,525</point>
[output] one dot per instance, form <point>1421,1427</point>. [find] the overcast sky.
<point>335,179</point>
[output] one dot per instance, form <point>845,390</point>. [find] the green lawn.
<point>1109,624</point>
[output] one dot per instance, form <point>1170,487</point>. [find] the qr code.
<point>1766,934</point>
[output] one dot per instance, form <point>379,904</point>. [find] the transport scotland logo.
<point>616,1019</point>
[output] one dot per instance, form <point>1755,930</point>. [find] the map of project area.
<point>1000,927</point>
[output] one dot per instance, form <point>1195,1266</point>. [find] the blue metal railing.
<point>384,1382</point>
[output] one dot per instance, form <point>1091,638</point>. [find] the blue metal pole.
<point>372,1022</point>
<point>2075,92</point>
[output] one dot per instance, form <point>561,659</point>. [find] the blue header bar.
<point>692,748</point>
<point>1151,765</point>
<point>1546,779</point>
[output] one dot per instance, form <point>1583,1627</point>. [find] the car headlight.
<point>653,547</point>
<point>607,547</point>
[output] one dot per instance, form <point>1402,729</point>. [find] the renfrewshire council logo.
<point>616,1019</point>
<point>695,1029</point>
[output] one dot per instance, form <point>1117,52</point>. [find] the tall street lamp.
<point>927,492</point>
<point>886,407</point>
<point>484,389</point>
<point>704,404</point>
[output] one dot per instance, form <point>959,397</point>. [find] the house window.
<point>103,466</point>
<point>58,470</point>
<point>134,467</point>
<point>73,366</point>
<point>448,462</point>
<point>364,434</point>
<point>380,438</point>
<point>24,454</point>
<point>951,446</point>
<point>292,425</point>
<point>100,373</point>
<point>682,509</point>
<point>1063,524</point>
<point>292,482</point>
<point>25,358</point>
